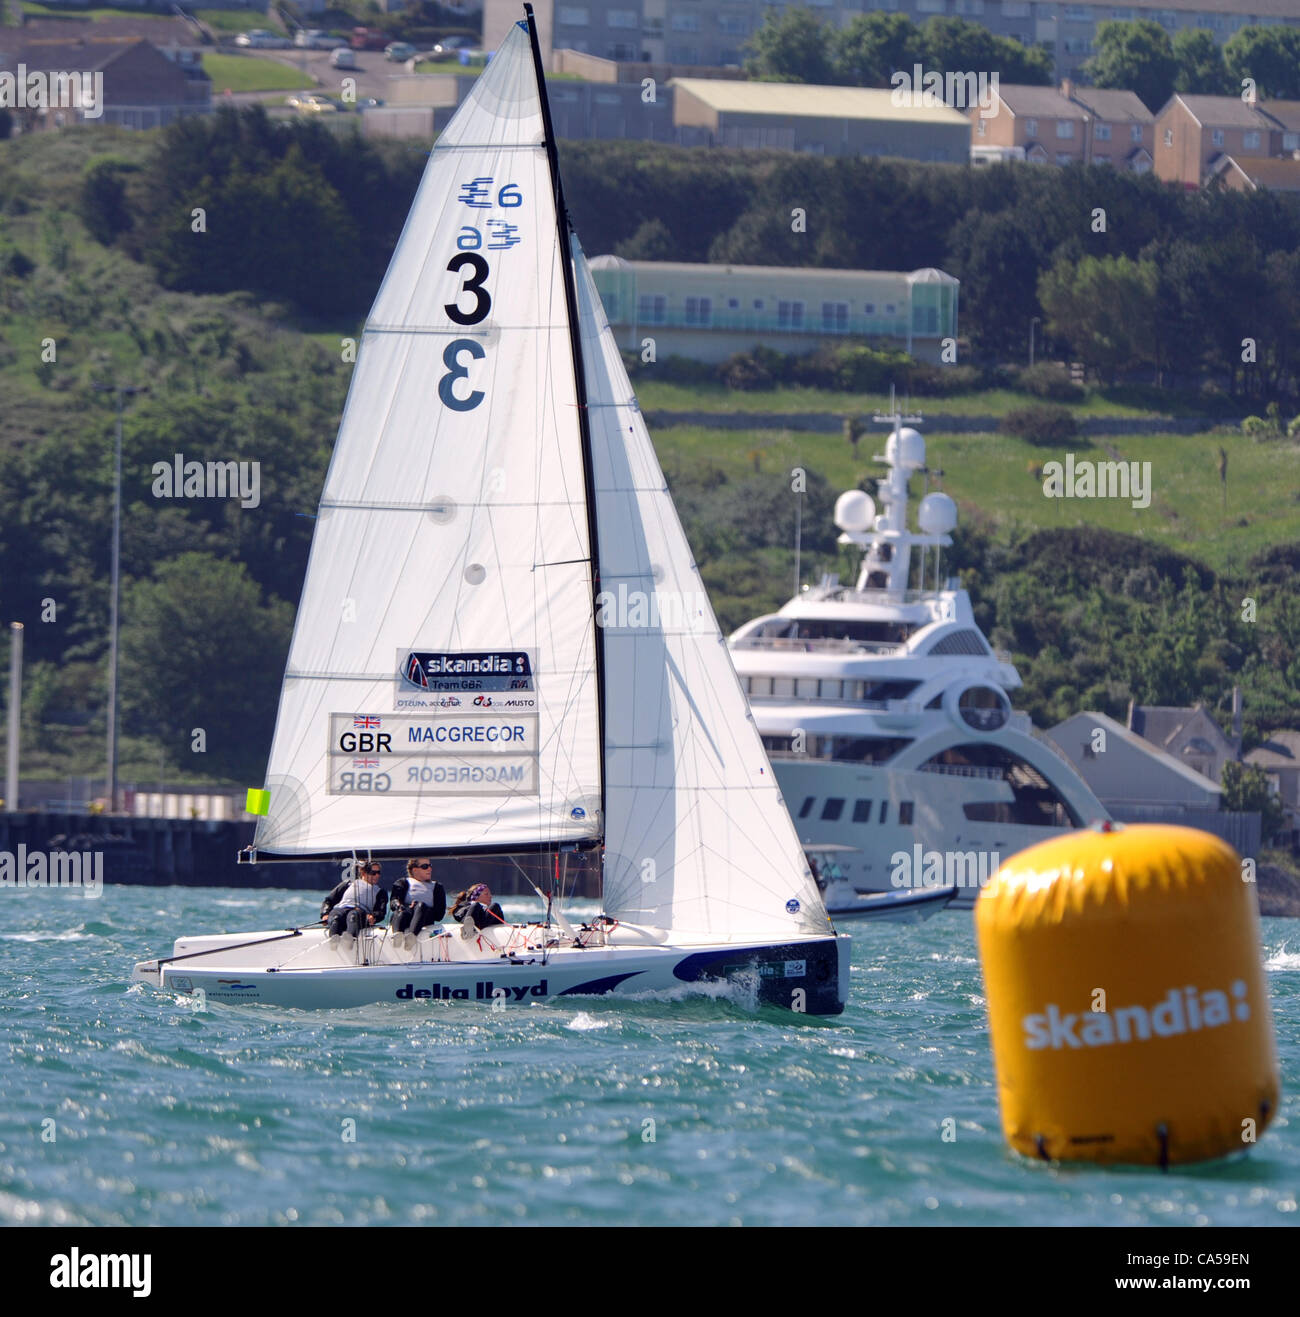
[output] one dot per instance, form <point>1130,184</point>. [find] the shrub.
<point>1042,425</point>
<point>1260,427</point>
<point>1050,380</point>
<point>929,380</point>
<point>759,368</point>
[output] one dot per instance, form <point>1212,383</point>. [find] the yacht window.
<point>905,811</point>
<point>832,809</point>
<point>937,702</point>
<point>806,808</point>
<point>868,749</point>
<point>887,633</point>
<point>984,708</point>
<point>783,687</point>
<point>862,811</point>
<point>760,686</point>
<point>959,642</point>
<point>806,688</point>
<point>884,809</point>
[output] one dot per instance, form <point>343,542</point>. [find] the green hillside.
<point>1097,601</point>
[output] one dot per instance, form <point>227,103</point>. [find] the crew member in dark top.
<point>355,905</point>
<point>417,901</point>
<point>475,904</point>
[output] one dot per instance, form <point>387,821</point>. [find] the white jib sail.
<point>440,691</point>
<point>698,840</point>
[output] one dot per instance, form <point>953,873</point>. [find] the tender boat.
<point>503,645</point>
<point>845,901</point>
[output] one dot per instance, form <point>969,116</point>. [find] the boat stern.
<point>808,977</point>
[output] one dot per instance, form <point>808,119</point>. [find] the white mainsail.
<point>440,692</point>
<point>698,841</point>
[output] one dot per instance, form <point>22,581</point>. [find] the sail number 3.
<point>475,270</point>
<point>478,273</point>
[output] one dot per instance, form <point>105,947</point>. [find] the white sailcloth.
<point>698,841</point>
<point>440,691</point>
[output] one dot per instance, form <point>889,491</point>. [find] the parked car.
<point>399,51</point>
<point>370,102</point>
<point>343,58</point>
<point>314,38</point>
<point>260,39</point>
<point>316,105</point>
<point>453,43</point>
<point>368,38</point>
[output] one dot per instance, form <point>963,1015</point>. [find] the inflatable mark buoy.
<point>1127,1002</point>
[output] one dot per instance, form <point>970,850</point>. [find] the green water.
<point>683,1110</point>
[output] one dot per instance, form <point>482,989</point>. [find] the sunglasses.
<point>424,866</point>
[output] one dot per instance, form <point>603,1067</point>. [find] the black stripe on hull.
<point>781,973</point>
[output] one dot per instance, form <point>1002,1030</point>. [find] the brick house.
<point>1192,132</point>
<point>1069,125</point>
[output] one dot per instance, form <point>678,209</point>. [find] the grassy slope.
<point>248,73</point>
<point>989,475</point>
<point>656,396</point>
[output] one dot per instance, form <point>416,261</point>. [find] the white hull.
<point>896,907</point>
<point>499,968</point>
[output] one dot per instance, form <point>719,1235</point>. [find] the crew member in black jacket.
<point>357,904</point>
<point>417,901</point>
<point>476,906</point>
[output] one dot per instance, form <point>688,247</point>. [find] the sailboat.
<point>503,644</point>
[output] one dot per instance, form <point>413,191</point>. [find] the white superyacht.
<point>886,715</point>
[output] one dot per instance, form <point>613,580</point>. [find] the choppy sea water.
<point>656,1111</point>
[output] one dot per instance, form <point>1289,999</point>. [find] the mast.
<point>564,233</point>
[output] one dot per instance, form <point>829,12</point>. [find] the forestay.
<point>697,838</point>
<point>440,692</point>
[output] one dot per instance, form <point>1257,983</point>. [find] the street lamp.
<point>121,390</point>
<point>1036,321</point>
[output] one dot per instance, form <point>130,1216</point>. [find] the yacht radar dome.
<point>906,449</point>
<point>937,514</point>
<point>855,511</point>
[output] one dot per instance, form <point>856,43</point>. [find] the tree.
<point>201,650</point>
<point>997,258</point>
<point>958,45</point>
<point>794,46</point>
<point>1201,70</point>
<point>104,209</point>
<point>1268,55</point>
<point>1028,66</point>
<point>1136,57</point>
<point>1105,307</point>
<point>872,46</point>
<point>1246,790</point>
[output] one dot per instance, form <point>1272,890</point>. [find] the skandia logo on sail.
<point>493,670</point>
<point>1180,1011</point>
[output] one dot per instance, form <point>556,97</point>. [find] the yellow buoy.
<point>1127,1003</point>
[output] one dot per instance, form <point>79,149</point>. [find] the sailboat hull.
<point>302,969</point>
